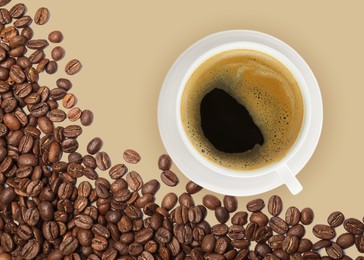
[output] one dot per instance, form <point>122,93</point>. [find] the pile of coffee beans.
<point>47,212</point>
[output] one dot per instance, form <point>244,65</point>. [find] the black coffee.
<point>227,124</point>
<point>242,109</point>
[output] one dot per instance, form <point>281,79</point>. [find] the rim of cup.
<point>306,107</point>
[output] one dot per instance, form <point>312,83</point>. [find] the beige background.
<point>126,48</point>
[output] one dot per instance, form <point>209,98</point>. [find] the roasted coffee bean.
<point>278,225</point>
<point>334,251</point>
<point>275,205</point>
<point>290,244</point>
<point>169,201</point>
<point>255,205</point>
<point>37,44</point>
<point>359,243</point>
<point>84,222</point>
<point>134,180</point>
<point>51,67</point>
<point>73,66</point>
<point>87,117</point>
<point>55,37</point>
<point>222,215</point>
<point>74,114</point>
<point>150,187</point>
<point>306,216</point>
<point>41,16</point>
<point>30,250</point>
<point>293,216</point>
<point>69,100</point>
<point>323,231</point>
<point>164,162</point>
<point>103,161</point>
<point>230,203</point>
<point>260,218</point>
<point>354,226</point>
<point>321,244</point>
<point>240,218</point>
<point>192,187</point>
<point>345,240</point>
<point>211,202</point>
<point>64,83</point>
<point>169,178</point>
<point>58,53</point>
<point>5,17</point>
<point>131,156</point>
<point>18,10</point>
<point>117,171</point>
<point>297,230</point>
<point>185,199</point>
<point>94,145</point>
<point>335,219</point>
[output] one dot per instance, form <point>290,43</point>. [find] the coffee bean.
<point>222,215</point>
<point>334,251</point>
<point>169,201</point>
<point>58,53</point>
<point>151,187</point>
<point>345,240</point>
<point>359,243</point>
<point>321,244</point>
<point>192,188</point>
<point>278,225</point>
<point>131,156</point>
<point>164,162</point>
<point>134,180</point>
<point>18,10</point>
<point>211,202</point>
<point>30,250</point>
<point>354,226</point>
<point>103,161</point>
<point>94,145</point>
<point>41,16</point>
<point>306,216</point>
<point>163,235</point>
<point>64,83</point>
<point>4,2</point>
<point>255,205</point>
<point>297,230</point>
<point>169,178</point>
<point>73,67</point>
<point>323,231</point>
<point>290,244</point>
<point>275,205</point>
<point>230,203</point>
<point>74,114</point>
<point>335,219</point>
<point>260,218</point>
<point>55,36</point>
<point>293,216</point>
<point>87,117</point>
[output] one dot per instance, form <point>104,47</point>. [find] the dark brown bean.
<point>345,240</point>
<point>55,36</point>
<point>73,67</point>
<point>335,219</point>
<point>255,205</point>
<point>192,188</point>
<point>307,216</point>
<point>354,226</point>
<point>230,203</point>
<point>164,162</point>
<point>211,202</point>
<point>87,117</point>
<point>41,16</point>
<point>293,216</point>
<point>169,178</point>
<point>324,231</point>
<point>275,205</point>
<point>131,156</point>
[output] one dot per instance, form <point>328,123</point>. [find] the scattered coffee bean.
<point>255,205</point>
<point>275,205</point>
<point>354,226</point>
<point>169,178</point>
<point>211,202</point>
<point>230,203</point>
<point>164,162</point>
<point>335,219</point>
<point>41,16</point>
<point>131,156</point>
<point>73,67</point>
<point>58,53</point>
<point>87,117</point>
<point>55,37</point>
<point>306,216</point>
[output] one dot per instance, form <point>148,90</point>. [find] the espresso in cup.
<point>242,109</point>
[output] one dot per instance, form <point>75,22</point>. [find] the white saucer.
<point>244,185</point>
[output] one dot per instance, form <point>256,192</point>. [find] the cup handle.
<point>289,179</point>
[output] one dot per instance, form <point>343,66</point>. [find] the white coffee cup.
<point>215,177</point>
